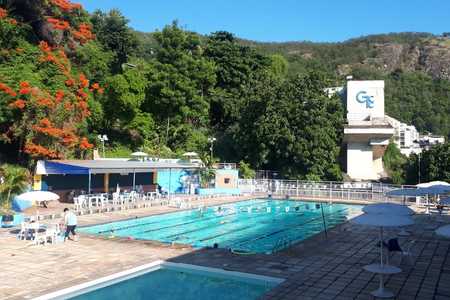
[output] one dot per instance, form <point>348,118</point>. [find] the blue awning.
<point>62,168</point>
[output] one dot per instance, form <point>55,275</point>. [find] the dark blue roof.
<point>64,168</point>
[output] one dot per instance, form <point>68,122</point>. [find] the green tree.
<point>112,31</point>
<point>236,67</point>
<point>434,165</point>
<point>179,86</point>
<point>15,180</point>
<point>394,163</point>
<point>245,171</point>
<point>279,66</point>
<point>293,127</point>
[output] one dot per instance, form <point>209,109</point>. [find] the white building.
<point>367,131</point>
<point>428,140</point>
<point>406,137</point>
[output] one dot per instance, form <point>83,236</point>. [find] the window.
<point>226,180</point>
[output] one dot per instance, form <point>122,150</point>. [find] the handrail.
<point>367,191</point>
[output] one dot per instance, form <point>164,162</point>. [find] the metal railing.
<point>361,191</point>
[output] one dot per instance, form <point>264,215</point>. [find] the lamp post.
<point>103,138</point>
<point>212,140</point>
<point>418,156</point>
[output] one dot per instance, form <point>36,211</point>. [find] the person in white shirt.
<point>70,220</point>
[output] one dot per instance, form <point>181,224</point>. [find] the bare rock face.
<point>435,60</point>
<point>390,55</point>
<point>431,56</point>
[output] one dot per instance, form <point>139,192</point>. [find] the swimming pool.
<point>170,281</point>
<point>258,225</point>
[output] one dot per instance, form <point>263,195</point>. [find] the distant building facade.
<point>408,139</point>
<point>368,130</point>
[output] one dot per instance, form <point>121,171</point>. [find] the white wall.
<point>360,161</point>
<point>365,99</point>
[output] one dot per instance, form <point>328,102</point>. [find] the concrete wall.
<point>360,161</point>
<point>173,180</point>
<point>227,179</point>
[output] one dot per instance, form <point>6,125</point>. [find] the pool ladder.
<point>281,244</point>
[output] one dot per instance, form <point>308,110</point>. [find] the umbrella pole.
<point>381,246</point>
<point>381,287</point>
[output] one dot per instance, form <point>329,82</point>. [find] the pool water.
<point>167,284</point>
<point>258,225</point>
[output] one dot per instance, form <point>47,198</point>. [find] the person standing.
<point>70,220</point>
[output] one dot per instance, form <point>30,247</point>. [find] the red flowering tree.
<point>46,101</point>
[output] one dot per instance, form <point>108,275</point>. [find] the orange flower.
<point>43,45</point>
<point>24,84</point>
<point>95,86</point>
<point>24,91</point>
<point>13,21</point>
<point>70,82</point>
<point>100,90</point>
<point>45,122</point>
<point>3,13</point>
<point>66,5</point>
<point>7,90</point>
<point>19,103</point>
<point>84,144</point>
<point>45,102</point>
<point>84,82</point>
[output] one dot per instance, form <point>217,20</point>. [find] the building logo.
<point>362,97</point>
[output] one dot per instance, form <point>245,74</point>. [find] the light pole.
<point>418,166</point>
<point>103,138</point>
<point>419,152</point>
<point>212,140</point>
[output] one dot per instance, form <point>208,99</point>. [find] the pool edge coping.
<point>147,268</point>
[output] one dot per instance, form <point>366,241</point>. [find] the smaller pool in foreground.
<point>170,281</point>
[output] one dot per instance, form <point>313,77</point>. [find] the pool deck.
<point>318,268</point>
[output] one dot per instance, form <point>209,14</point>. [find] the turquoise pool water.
<point>168,284</point>
<point>258,225</point>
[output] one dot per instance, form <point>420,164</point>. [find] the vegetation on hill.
<point>67,76</point>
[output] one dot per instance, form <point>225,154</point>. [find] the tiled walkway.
<point>317,268</point>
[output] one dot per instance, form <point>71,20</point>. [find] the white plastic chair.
<point>78,203</point>
<point>52,232</point>
<point>37,237</point>
<point>23,233</point>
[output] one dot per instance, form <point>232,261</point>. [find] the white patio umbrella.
<point>38,196</point>
<point>381,221</point>
<point>139,154</point>
<point>432,183</point>
<point>390,209</point>
<point>188,154</point>
<point>444,231</point>
<point>117,189</point>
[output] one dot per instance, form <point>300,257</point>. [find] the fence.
<point>365,191</point>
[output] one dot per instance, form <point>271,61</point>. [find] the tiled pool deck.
<point>317,268</point>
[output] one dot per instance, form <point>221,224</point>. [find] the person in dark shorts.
<point>70,220</point>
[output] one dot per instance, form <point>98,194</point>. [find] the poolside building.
<point>93,176</point>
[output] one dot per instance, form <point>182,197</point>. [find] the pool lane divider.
<point>175,225</point>
<point>209,226</point>
<point>280,214</point>
<point>284,229</point>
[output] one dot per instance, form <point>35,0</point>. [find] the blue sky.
<point>285,20</point>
